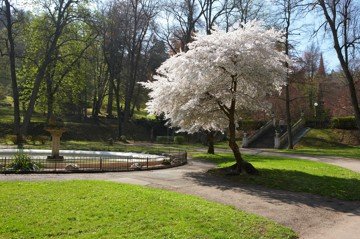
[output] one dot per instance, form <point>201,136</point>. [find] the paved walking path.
<point>312,217</point>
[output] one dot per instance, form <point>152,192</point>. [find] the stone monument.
<point>56,128</point>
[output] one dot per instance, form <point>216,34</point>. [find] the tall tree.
<point>288,11</point>
<point>219,82</point>
<point>7,10</point>
<point>126,42</point>
<point>342,22</point>
<point>310,62</point>
<point>60,14</point>
<point>182,19</point>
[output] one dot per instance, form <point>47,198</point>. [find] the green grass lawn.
<point>346,152</point>
<point>327,142</point>
<point>95,209</point>
<point>295,175</point>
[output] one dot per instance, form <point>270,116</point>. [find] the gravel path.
<point>310,216</point>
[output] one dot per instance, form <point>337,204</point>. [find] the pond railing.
<point>98,163</point>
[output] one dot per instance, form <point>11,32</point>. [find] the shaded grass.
<point>6,116</point>
<point>296,175</point>
<point>94,209</point>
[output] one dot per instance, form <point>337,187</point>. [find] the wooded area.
<point>85,59</point>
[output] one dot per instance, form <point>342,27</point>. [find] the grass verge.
<point>329,142</point>
<point>95,209</point>
<point>296,175</point>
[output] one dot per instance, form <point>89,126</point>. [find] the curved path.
<point>310,216</point>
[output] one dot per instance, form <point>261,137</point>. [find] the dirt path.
<point>311,216</point>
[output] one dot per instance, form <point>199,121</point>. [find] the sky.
<point>302,39</point>
<point>305,37</point>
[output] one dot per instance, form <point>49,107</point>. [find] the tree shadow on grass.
<point>301,188</point>
<point>229,158</point>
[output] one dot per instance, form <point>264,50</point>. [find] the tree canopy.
<point>195,89</point>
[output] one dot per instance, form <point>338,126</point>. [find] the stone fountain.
<point>56,128</point>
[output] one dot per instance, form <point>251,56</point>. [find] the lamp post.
<point>315,112</point>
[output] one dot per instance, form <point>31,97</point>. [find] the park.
<point>179,119</point>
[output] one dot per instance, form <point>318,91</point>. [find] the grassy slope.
<point>94,209</point>
<point>296,175</point>
<point>327,142</point>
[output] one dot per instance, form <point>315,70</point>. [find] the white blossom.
<point>189,86</point>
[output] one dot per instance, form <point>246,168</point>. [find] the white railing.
<point>283,139</point>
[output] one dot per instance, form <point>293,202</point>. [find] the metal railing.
<point>71,164</point>
<point>294,130</point>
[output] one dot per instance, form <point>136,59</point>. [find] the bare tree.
<point>288,11</point>
<point>7,11</point>
<point>182,19</point>
<point>311,61</point>
<point>342,22</point>
<point>126,42</point>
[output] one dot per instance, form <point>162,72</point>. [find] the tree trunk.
<point>110,99</point>
<point>240,162</point>
<point>93,110</point>
<point>119,114</point>
<point>127,108</point>
<point>50,97</point>
<point>210,140</point>
<point>14,85</point>
<point>288,117</point>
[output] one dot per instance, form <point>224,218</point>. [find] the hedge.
<point>164,139</point>
<point>179,139</point>
<point>343,123</point>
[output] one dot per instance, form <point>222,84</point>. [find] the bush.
<point>343,123</point>
<point>12,139</point>
<point>179,139</point>
<point>39,138</point>
<point>164,139</point>
<point>123,139</point>
<point>22,163</point>
<point>166,162</point>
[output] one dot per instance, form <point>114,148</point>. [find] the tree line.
<point>65,56</point>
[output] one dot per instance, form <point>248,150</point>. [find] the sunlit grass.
<point>94,209</point>
<point>296,175</point>
<point>325,142</point>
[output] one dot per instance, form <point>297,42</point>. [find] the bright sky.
<point>304,39</point>
<point>310,23</point>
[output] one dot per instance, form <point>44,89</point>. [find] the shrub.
<point>179,139</point>
<point>123,139</point>
<point>343,123</point>
<point>164,139</point>
<point>166,162</point>
<point>42,139</point>
<point>22,163</point>
<point>39,138</point>
<point>12,139</point>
